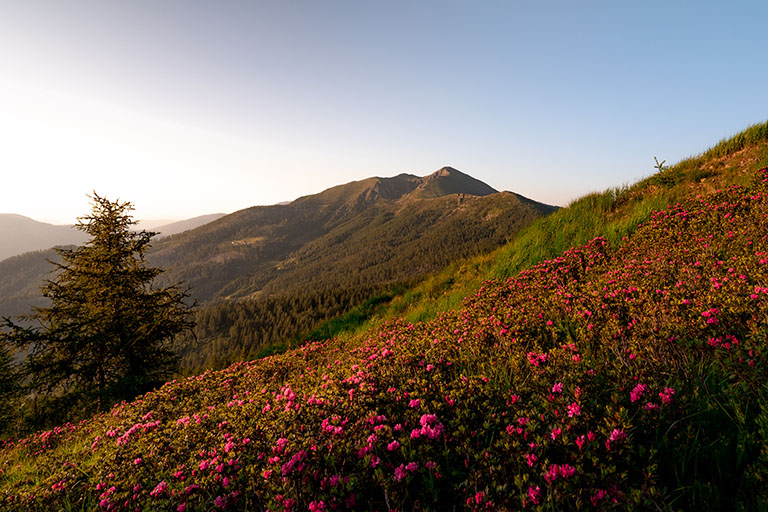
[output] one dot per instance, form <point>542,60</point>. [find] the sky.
<point>185,108</point>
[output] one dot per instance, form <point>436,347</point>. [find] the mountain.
<point>21,234</point>
<point>172,228</point>
<point>375,230</point>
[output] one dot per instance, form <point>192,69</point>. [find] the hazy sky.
<point>187,108</point>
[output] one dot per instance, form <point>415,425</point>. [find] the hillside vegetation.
<point>624,373</point>
<point>612,214</point>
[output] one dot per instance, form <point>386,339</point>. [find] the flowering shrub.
<point>607,378</point>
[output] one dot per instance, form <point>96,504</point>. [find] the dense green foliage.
<point>104,336</point>
<point>9,389</point>
<point>236,330</point>
<point>627,376</point>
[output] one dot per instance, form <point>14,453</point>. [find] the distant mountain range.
<point>368,232</point>
<point>21,234</point>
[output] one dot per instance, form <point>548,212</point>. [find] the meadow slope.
<point>614,376</point>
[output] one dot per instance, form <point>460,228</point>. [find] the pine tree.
<point>9,388</point>
<point>105,335</point>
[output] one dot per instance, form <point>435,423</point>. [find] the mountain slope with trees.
<point>367,232</point>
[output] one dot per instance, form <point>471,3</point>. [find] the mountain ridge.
<point>366,231</point>
<point>257,246</point>
<point>22,234</point>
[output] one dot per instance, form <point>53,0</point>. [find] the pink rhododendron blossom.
<point>534,494</point>
<point>666,395</point>
<point>637,392</point>
<point>159,489</point>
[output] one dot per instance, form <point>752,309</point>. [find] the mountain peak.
<point>447,171</point>
<point>447,181</point>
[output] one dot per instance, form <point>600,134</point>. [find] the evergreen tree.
<point>106,334</point>
<point>9,387</point>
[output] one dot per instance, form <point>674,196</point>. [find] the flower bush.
<point>629,377</point>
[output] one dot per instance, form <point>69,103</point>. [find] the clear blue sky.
<point>189,107</point>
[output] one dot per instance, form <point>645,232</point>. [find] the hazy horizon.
<point>191,108</point>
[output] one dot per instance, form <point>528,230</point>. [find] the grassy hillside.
<point>625,375</point>
<point>612,214</point>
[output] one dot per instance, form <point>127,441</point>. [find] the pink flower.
<point>566,470</point>
<point>137,461</point>
<point>534,494</point>
<point>182,507</point>
<point>666,395</point>
<point>159,489</point>
<point>636,393</point>
<point>412,466</point>
<point>574,410</point>
<point>394,445</point>
<point>399,472</point>
<point>617,435</point>
<point>599,496</point>
<point>556,433</point>
<point>414,403</point>
<point>558,387</point>
<point>650,406</point>
<point>551,474</point>
<point>317,506</point>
